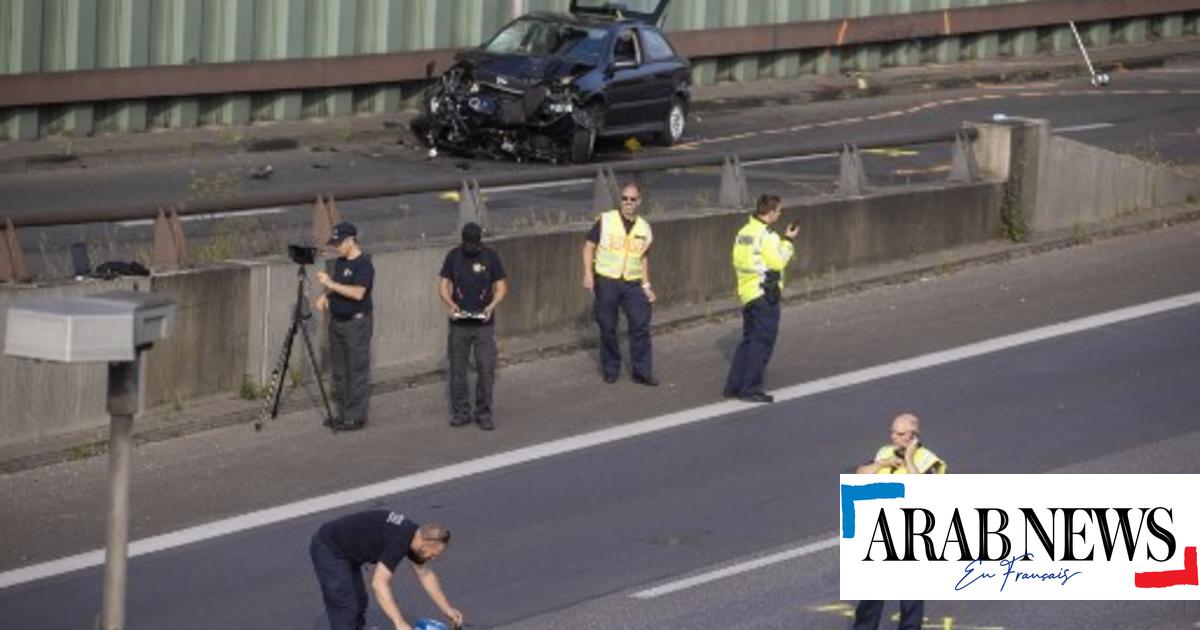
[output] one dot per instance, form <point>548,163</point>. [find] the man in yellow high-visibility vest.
<point>905,455</point>
<point>759,257</point>
<point>616,271</point>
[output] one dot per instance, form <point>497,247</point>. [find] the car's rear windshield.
<point>544,37</point>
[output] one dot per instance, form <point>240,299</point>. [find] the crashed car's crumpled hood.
<point>517,71</point>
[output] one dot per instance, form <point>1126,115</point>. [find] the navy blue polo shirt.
<point>378,536</point>
<point>473,278</point>
<point>359,272</point>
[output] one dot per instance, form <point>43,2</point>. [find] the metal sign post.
<point>117,328</point>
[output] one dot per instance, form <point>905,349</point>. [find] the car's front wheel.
<point>674,124</point>
<point>583,145</point>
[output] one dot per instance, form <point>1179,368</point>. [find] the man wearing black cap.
<point>472,284</point>
<point>348,300</point>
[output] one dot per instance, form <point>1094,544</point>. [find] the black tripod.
<point>300,314</point>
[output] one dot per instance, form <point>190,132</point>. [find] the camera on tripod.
<point>302,254</point>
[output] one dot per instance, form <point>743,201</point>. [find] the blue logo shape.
<point>850,494</point>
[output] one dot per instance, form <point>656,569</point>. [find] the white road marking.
<point>796,158</point>
<point>336,500</point>
<point>520,187</point>
<point>1082,127</point>
<point>208,217</point>
<point>737,569</point>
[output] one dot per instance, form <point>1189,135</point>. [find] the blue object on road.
<point>430,624</point>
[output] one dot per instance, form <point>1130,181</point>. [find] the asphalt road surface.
<point>1149,113</point>
<point>546,543</point>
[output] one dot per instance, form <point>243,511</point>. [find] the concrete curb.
<point>159,426</point>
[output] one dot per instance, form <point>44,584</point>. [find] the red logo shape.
<point>1188,575</point>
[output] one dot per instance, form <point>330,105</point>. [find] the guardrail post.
<point>170,246</point>
<point>852,177</point>
<point>12,261</point>
<point>733,192</point>
<point>471,206</point>
<point>605,193</point>
<point>963,167</point>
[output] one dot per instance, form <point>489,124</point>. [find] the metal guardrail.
<point>51,88</point>
<point>347,193</point>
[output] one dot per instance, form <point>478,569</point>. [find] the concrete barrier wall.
<point>206,351</point>
<point>1082,185</point>
<point>232,319</point>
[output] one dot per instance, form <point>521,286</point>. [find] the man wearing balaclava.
<point>472,284</point>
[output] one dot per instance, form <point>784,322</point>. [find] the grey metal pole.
<point>122,405</point>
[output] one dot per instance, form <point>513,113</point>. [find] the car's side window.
<point>657,47</point>
<point>626,48</point>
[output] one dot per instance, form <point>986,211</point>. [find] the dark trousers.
<point>760,327</point>
<point>613,296</point>
<point>342,586</point>
<point>868,614</point>
<point>350,356</point>
<point>464,338</point>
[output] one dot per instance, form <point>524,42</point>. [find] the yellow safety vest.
<point>756,250</point>
<point>923,459</point>
<point>619,255</point>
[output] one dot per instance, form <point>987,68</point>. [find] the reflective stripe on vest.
<point>923,459</point>
<point>619,255</point>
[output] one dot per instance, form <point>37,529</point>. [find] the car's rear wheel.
<point>674,124</point>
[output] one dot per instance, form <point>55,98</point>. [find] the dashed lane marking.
<point>933,105</point>
<point>1077,128</point>
<point>207,217</point>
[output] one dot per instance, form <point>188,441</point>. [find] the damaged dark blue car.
<point>549,84</point>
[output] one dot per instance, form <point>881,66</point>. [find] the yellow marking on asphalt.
<point>831,607</point>
<point>1031,94</point>
<point>844,609</point>
<point>968,99</point>
<point>892,152</point>
<point>450,196</point>
<point>992,97</point>
<point>922,171</point>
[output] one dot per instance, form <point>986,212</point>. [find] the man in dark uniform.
<point>340,548</point>
<point>617,272</point>
<point>348,300</point>
<point>472,284</point>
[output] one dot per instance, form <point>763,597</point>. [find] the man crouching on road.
<point>340,548</point>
